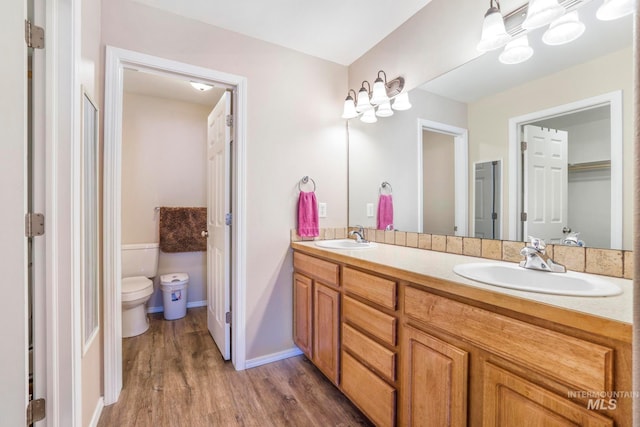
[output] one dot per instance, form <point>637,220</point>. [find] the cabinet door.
<point>302,312</point>
<point>510,400</point>
<point>434,381</point>
<point>326,323</point>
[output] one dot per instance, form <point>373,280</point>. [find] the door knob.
<point>204,233</point>
<point>566,230</point>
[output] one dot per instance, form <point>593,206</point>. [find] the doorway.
<point>116,61</point>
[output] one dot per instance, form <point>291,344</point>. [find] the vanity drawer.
<point>373,354</point>
<point>569,360</point>
<point>369,319</point>
<point>372,288</point>
<point>324,271</point>
<point>375,397</point>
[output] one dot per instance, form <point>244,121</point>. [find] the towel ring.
<point>305,180</point>
<point>385,185</point>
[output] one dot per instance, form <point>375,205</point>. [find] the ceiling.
<point>340,31</point>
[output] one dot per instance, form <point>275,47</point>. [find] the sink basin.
<point>344,244</point>
<point>515,277</point>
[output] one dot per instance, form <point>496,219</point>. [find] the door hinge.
<point>523,216</point>
<point>35,411</point>
<point>494,216</point>
<point>523,145</point>
<point>227,219</point>
<point>33,35</point>
<point>33,224</point>
<point>229,120</point>
<point>228,317</point>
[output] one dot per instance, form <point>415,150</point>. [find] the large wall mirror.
<point>581,92</point>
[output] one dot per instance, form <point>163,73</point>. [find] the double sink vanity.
<point>411,342</point>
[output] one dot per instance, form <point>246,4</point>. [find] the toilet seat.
<point>134,288</point>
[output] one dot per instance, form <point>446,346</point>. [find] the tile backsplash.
<point>606,262</point>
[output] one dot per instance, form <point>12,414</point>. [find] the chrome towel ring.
<point>385,186</point>
<point>305,180</point>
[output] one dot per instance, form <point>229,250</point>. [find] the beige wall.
<point>164,157</point>
<point>438,183</point>
<point>488,117</point>
<point>90,72</point>
<point>287,137</point>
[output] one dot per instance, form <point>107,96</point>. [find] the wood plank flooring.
<point>174,376</point>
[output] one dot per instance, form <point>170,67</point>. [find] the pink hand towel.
<point>385,212</point>
<point>308,215</point>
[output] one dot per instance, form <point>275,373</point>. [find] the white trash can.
<point>174,294</point>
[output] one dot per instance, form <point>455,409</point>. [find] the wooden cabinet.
<point>303,312</point>
<point>326,327</point>
<point>434,381</point>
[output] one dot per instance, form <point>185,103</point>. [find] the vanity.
<point>411,343</point>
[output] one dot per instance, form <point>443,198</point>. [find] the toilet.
<point>139,265</point>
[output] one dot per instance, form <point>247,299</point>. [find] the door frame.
<point>614,100</point>
<point>116,60</point>
<point>461,171</point>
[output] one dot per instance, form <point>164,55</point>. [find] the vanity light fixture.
<point>202,87</point>
<point>564,30</point>
<point>541,13</point>
<point>614,9</point>
<point>516,51</point>
<point>385,97</point>
<point>494,34</point>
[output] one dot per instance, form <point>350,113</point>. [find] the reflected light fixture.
<point>516,51</point>
<point>376,102</point>
<point>564,30</point>
<point>202,87</point>
<point>349,111</point>
<point>494,34</point>
<point>614,9</point>
<point>541,13</point>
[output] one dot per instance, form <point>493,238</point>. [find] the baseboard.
<point>191,304</point>
<point>274,357</point>
<point>97,412</point>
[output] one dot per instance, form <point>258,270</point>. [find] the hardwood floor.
<point>174,376</point>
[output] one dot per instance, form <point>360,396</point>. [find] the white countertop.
<point>439,265</point>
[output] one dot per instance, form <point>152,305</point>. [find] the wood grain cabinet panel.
<point>326,324</point>
<point>303,313</point>
<point>434,381</point>
<point>324,271</point>
<point>575,362</point>
<point>372,288</point>
<point>370,352</point>
<point>374,397</point>
<point>369,319</point>
<point>510,400</point>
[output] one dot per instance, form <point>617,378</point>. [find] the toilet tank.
<point>140,260</point>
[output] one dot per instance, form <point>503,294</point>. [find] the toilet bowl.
<point>139,265</point>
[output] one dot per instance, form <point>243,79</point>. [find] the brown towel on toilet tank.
<point>181,228</point>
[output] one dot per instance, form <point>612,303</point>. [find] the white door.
<point>13,191</point>
<point>545,182</point>
<point>218,206</point>
<point>483,201</point>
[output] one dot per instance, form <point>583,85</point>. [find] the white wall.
<point>287,138</point>
<point>388,151</point>
<point>163,164</point>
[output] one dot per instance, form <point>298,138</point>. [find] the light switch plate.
<point>322,210</point>
<point>369,210</point>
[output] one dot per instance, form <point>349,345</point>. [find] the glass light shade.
<point>401,102</point>
<point>541,13</point>
<point>379,95</point>
<point>363,103</point>
<point>202,87</point>
<point>563,30</point>
<point>614,9</point>
<point>516,51</point>
<point>494,34</point>
<point>384,110</point>
<point>369,116</point>
<point>349,111</point>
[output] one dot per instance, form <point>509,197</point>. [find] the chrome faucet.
<point>359,233</point>
<point>537,259</point>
